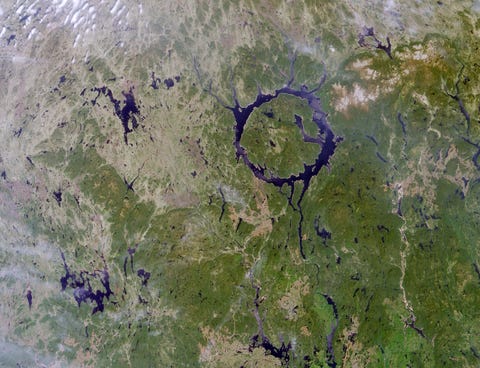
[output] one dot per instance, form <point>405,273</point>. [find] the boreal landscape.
<point>250,183</point>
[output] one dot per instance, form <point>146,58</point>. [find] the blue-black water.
<point>325,139</point>
<point>129,114</point>
<point>82,289</point>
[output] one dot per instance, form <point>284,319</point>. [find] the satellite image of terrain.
<point>248,183</point>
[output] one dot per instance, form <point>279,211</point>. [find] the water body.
<point>144,275</point>
<point>82,289</point>
<point>261,340</point>
<point>322,233</point>
<point>325,139</point>
<point>330,351</point>
<point>169,83</point>
<point>29,299</point>
<point>327,143</point>
<point>58,197</point>
<point>129,114</point>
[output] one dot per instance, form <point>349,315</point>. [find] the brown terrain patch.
<point>345,98</point>
<point>180,200</point>
<point>427,169</point>
<point>305,331</point>
<point>292,302</point>
<point>260,218</point>
<point>225,350</point>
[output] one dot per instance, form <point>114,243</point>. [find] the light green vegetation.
<point>401,202</point>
